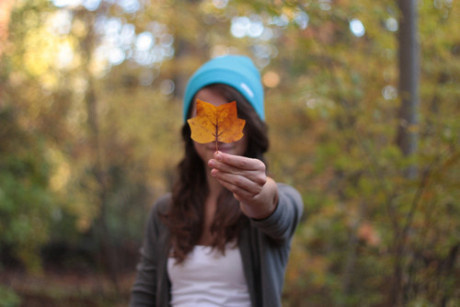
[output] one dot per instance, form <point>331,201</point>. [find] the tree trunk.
<point>407,137</point>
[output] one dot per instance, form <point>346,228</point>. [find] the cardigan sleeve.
<point>144,290</point>
<point>281,224</point>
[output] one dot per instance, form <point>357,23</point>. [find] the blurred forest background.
<point>90,114</point>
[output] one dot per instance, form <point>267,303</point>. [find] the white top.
<point>207,278</point>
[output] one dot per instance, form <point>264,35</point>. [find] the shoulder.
<point>159,209</point>
<point>162,204</point>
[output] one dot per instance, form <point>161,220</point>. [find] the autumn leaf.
<point>216,124</point>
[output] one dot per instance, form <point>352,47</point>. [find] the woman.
<point>222,237</point>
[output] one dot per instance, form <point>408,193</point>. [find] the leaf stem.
<point>217,130</point>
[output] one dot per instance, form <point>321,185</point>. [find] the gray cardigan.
<point>264,246</point>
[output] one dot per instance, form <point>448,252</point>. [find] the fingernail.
<point>218,155</point>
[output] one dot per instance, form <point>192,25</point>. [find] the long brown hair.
<point>185,218</point>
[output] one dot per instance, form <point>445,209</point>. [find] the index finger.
<point>239,162</point>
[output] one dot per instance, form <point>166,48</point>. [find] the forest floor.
<point>67,288</point>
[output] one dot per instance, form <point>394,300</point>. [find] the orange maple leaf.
<point>216,124</point>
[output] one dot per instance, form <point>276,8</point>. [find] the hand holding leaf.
<point>216,124</point>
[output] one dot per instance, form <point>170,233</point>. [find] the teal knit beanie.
<point>235,70</point>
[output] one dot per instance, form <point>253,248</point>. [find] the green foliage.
<point>25,201</point>
<point>8,298</point>
<point>366,220</point>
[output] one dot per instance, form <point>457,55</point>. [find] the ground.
<point>71,288</point>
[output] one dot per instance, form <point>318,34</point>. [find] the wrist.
<point>264,204</point>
